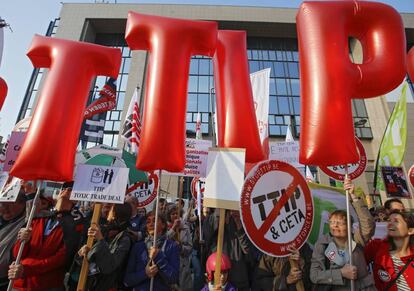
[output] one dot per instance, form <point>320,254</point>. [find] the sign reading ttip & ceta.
<point>100,184</point>
<point>276,208</point>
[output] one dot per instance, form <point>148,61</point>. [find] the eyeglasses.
<point>337,222</point>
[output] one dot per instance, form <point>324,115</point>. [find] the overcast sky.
<point>28,17</point>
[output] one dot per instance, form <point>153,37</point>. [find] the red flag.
<point>106,100</point>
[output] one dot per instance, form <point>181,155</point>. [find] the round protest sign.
<point>276,208</point>
<point>145,192</point>
<point>354,170</point>
<point>194,182</point>
<point>411,175</point>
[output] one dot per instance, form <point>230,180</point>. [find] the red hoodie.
<point>378,251</point>
<point>43,258</point>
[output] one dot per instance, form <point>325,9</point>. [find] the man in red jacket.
<point>44,257</point>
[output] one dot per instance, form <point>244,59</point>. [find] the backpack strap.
<point>392,282</point>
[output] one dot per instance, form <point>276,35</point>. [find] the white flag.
<point>309,175</point>
<point>199,134</point>
<point>289,136</point>
<point>260,87</point>
<point>131,131</point>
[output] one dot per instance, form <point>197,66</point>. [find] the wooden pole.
<point>89,243</point>
<point>29,223</point>
<point>180,197</point>
<point>217,272</point>
<point>299,284</point>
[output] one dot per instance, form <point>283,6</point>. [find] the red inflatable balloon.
<point>329,79</point>
<point>171,43</point>
<point>48,153</point>
<point>236,117</point>
<point>410,63</point>
<point>3,92</point>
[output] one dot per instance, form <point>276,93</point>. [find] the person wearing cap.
<point>11,221</point>
<point>393,257</point>
<point>225,267</point>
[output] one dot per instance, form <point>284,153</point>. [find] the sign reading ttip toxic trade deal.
<point>100,184</point>
<point>196,153</point>
<point>276,208</point>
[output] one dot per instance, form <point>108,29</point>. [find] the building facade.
<point>271,42</point>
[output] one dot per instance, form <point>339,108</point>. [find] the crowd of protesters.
<point>124,256</point>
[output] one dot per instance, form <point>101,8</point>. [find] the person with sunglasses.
<point>330,267</point>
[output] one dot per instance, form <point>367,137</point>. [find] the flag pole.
<point>349,226</point>
<point>213,133</point>
<point>154,244</point>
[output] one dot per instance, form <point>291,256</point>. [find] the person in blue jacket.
<point>161,262</point>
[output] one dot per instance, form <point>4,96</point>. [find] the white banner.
<point>196,152</point>
<point>100,184</point>
<point>260,87</point>
<point>225,176</point>
<point>287,152</point>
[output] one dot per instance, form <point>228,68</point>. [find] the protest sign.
<point>287,152</point>
<point>276,208</point>
<point>9,188</point>
<point>411,175</point>
<point>354,170</point>
<point>100,184</point>
<point>13,149</point>
<point>225,172</point>
<point>196,152</point>
<point>145,192</point>
<point>395,182</point>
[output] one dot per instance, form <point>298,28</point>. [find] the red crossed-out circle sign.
<point>354,170</point>
<point>193,188</point>
<point>411,175</point>
<point>276,208</point>
<point>145,192</point>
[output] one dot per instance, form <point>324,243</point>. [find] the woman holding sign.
<point>330,268</point>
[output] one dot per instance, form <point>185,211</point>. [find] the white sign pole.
<point>154,244</point>
<point>349,226</point>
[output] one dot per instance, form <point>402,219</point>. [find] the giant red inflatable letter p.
<point>329,79</point>
<point>48,151</point>
<point>171,43</point>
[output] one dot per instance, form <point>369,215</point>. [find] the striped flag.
<point>131,131</point>
<point>93,129</point>
<point>199,134</point>
<point>95,114</point>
